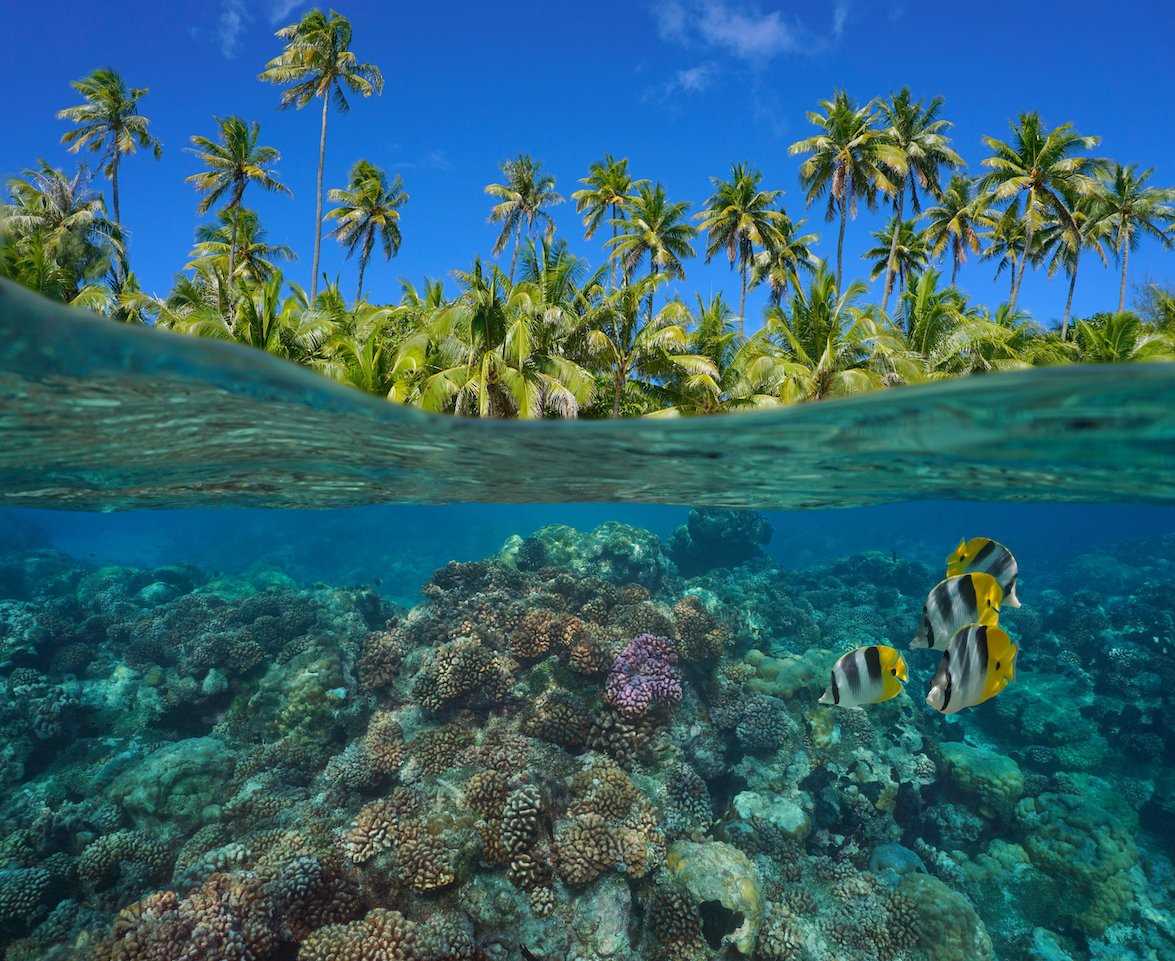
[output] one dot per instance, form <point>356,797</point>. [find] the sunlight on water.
<point>525,727</point>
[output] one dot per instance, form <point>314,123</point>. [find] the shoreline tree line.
<point>550,336</point>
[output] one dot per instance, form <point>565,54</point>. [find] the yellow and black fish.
<point>979,662</point>
<point>957,601</point>
<point>868,675</point>
<point>991,557</point>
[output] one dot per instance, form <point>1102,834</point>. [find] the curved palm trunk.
<point>1069,302</point>
<point>840,244</point>
<point>362,271</point>
<point>891,264</point>
<point>318,202</point>
<point>1122,282</point>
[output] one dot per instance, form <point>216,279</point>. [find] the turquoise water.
<point>287,673</point>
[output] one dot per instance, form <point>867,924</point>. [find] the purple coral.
<point>642,675</point>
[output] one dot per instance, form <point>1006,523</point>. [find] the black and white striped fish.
<point>868,675</point>
<point>978,663</point>
<point>965,599</point>
<point>991,557</point>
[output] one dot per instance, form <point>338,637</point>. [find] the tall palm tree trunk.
<point>1069,302</point>
<point>362,271</point>
<point>1122,282</point>
<point>840,244</point>
<point>232,243</point>
<point>742,301</point>
<point>652,273</point>
<point>618,389</point>
<point>1018,277</point>
<point>893,250</point>
<point>514,254</point>
<point>612,270</point>
<point>114,189</point>
<point>318,202</point>
<point>955,267</point>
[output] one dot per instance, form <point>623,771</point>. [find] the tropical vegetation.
<point>535,331</point>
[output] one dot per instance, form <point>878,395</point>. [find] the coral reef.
<point>591,746</point>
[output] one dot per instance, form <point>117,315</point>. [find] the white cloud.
<point>746,32</point>
<point>434,159</point>
<point>688,80</point>
<point>279,10</point>
<point>234,16</point>
<point>840,16</point>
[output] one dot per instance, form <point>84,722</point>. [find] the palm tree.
<point>120,298</point>
<point>1134,209</point>
<point>954,220</point>
<point>1061,244</point>
<point>107,121</point>
<point>738,217</point>
<point>255,256</point>
<point>1043,167</point>
<point>1116,338</point>
<point>1007,239</point>
<point>522,202</point>
<point>779,266</point>
<point>494,357</point>
<point>369,209</point>
<point>656,229</point>
<point>821,344</point>
<point>606,192</point>
<point>845,163</point>
<point>59,232</point>
<point>232,163</point>
<point>657,346</point>
<point>902,250</point>
<point>914,147</point>
<point>318,62</point>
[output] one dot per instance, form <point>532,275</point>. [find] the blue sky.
<point>681,87</point>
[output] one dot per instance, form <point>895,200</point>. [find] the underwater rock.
<point>723,882</point>
<point>613,551</point>
<point>994,781</point>
<point>949,927</point>
<point>715,537</point>
<point>782,813</point>
<point>1083,837</point>
<point>789,675</point>
<point>1046,946</point>
<point>180,786</point>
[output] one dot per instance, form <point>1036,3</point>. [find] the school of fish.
<point>961,618</point>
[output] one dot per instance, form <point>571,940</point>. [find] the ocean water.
<point>288,674</point>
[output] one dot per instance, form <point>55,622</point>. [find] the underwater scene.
<point>287,674</point>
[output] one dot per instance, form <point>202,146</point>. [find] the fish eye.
<point>997,665</point>
<point>893,671</point>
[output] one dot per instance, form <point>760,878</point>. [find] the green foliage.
<point>555,338</point>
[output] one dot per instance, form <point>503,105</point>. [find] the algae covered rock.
<point>613,551</point>
<point>725,886</point>
<point>993,781</point>
<point>1083,837</point>
<point>947,923</point>
<point>783,813</point>
<point>180,785</point>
